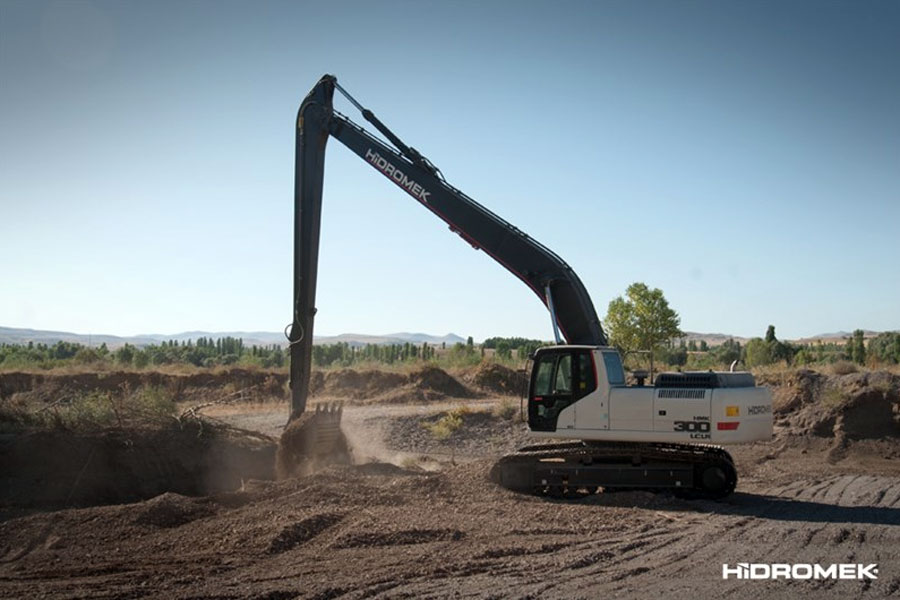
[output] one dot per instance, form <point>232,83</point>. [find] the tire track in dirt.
<point>828,524</point>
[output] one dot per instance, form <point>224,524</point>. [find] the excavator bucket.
<point>328,429</point>
<point>311,440</point>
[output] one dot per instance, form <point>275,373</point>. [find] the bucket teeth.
<point>330,412</point>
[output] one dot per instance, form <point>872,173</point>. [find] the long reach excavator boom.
<point>622,436</point>
<point>555,283</point>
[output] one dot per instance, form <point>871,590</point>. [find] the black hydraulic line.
<point>536,265</point>
<point>410,153</point>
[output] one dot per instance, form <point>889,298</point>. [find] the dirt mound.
<point>798,389</point>
<point>850,407</point>
<point>423,385</point>
<point>358,385</point>
<point>497,379</point>
<point>56,469</point>
<point>172,510</point>
<point>433,379</point>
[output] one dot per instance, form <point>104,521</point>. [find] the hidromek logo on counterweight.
<point>397,175</point>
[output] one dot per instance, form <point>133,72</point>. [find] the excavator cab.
<point>560,376</point>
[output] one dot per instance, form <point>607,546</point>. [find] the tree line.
<point>204,352</point>
<point>209,352</point>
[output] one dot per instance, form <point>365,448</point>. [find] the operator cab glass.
<point>615,374</point>
<point>558,379</point>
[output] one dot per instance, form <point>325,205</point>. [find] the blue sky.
<point>742,157</point>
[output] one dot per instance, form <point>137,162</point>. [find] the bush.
<point>447,425</point>
<point>86,356</point>
<point>844,367</point>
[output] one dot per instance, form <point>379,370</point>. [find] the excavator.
<point>603,433</point>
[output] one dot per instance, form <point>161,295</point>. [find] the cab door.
<point>559,378</point>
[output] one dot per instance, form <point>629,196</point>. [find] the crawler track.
<point>579,468</point>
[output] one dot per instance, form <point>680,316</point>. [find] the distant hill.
<point>11,335</point>
<point>713,339</point>
<point>359,339</point>
<point>837,336</point>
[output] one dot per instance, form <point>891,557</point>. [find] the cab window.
<point>563,385</point>
<point>544,375</point>
<point>614,371</point>
<point>554,375</point>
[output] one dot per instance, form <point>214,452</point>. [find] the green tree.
<point>125,354</point>
<point>642,320</point>
<point>674,357</point>
<point>728,352</point>
<point>770,334</point>
<point>885,347</point>
<point>141,359</point>
<point>804,356</point>
<point>758,353</point>
<point>858,347</point>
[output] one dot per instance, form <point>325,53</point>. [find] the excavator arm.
<point>548,276</point>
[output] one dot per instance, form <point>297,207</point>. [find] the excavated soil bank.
<point>59,469</point>
<point>857,406</point>
<point>425,384</point>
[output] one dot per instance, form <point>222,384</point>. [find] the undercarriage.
<point>580,468</point>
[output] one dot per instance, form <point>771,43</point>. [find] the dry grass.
<point>778,373</point>
<point>832,397</point>
<point>92,410</point>
<point>74,368</point>
<point>508,409</point>
<point>444,427</point>
<point>843,367</point>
